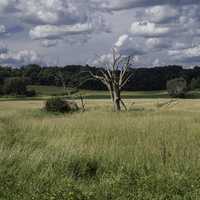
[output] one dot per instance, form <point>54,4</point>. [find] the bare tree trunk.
<point>117,99</point>
<point>124,105</point>
<point>82,103</point>
<point>114,76</point>
<point>110,88</point>
<point>117,105</point>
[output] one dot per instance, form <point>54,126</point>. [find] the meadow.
<point>150,152</point>
<point>48,91</point>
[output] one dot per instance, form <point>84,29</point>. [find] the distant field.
<point>52,90</point>
<point>148,153</point>
<point>45,92</point>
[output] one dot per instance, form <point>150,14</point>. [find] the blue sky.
<point>48,32</point>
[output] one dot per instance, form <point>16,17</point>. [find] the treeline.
<point>146,79</point>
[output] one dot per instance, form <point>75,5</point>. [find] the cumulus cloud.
<point>186,55</point>
<point>102,60</point>
<point>171,29</point>
<point>148,29</point>
<point>19,58</point>
<point>7,6</point>
<point>49,43</point>
<point>127,45</point>
<point>49,19</point>
<point>53,11</point>
<point>177,45</point>
<point>158,43</point>
<point>162,14</point>
<point>117,5</point>
<point>153,28</point>
<point>2,29</point>
<point>55,32</point>
<point>122,39</point>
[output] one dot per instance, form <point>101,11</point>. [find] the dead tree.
<point>115,76</point>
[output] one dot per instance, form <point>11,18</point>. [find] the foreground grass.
<point>151,152</point>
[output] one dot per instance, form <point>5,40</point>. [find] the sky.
<point>64,32</point>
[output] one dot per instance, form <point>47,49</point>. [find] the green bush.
<point>30,93</point>
<point>177,87</point>
<point>57,104</point>
<point>195,83</point>
<point>15,86</point>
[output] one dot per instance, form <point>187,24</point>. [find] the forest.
<point>144,79</point>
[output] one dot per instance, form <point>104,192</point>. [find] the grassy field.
<point>88,94</point>
<point>45,91</point>
<point>150,152</point>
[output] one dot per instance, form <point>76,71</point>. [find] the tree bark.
<point>117,99</point>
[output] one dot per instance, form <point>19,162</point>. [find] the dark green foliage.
<point>144,79</point>
<point>57,104</point>
<point>15,86</point>
<point>177,87</point>
<point>30,93</point>
<point>195,83</point>
<point>1,89</point>
<point>83,168</point>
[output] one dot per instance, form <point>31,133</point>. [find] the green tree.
<point>15,86</point>
<point>177,87</point>
<point>195,83</point>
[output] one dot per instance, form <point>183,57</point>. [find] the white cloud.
<point>122,39</point>
<point>148,29</point>
<point>20,58</point>
<point>127,45</point>
<point>156,62</point>
<point>55,32</point>
<point>7,5</point>
<point>162,14</point>
<point>56,18</point>
<point>49,43</point>
<point>158,43</point>
<point>186,55</point>
<point>117,5</point>
<point>181,45</point>
<point>2,29</point>
<point>152,27</point>
<point>103,59</point>
<point>53,11</point>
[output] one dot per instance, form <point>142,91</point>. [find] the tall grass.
<point>150,152</point>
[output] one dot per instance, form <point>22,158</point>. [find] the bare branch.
<point>124,70</point>
<point>102,79</point>
<point>115,76</point>
<point>107,78</point>
<point>125,81</point>
<point>123,104</point>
